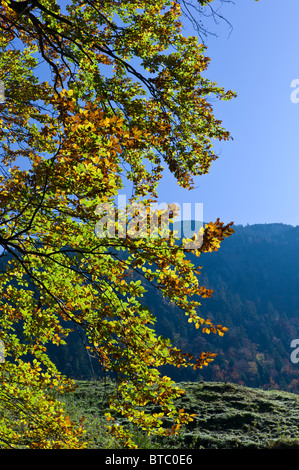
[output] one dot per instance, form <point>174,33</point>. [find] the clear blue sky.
<point>256,178</point>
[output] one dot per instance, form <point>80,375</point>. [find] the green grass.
<point>228,416</point>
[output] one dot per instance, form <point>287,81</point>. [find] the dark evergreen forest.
<point>255,278</point>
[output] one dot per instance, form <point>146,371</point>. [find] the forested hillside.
<point>255,278</point>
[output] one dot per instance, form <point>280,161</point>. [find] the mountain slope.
<point>255,278</point>
<point>228,416</point>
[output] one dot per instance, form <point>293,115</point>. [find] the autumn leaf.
<point>94,124</point>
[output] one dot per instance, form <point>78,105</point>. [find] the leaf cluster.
<point>98,121</point>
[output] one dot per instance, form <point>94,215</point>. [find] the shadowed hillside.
<point>255,278</point>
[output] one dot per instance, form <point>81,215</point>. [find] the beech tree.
<point>125,98</point>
